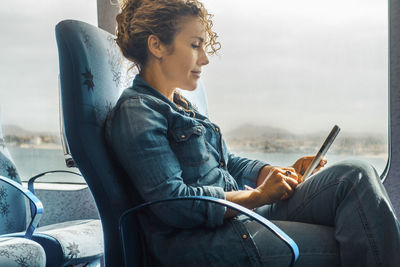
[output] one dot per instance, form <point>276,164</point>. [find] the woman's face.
<point>182,64</point>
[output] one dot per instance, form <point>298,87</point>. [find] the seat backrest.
<point>91,80</point>
<point>12,202</point>
<point>92,72</point>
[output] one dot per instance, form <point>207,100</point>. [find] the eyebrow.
<point>200,38</point>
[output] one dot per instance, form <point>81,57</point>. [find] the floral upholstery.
<point>12,202</point>
<point>77,239</point>
<point>92,76</point>
<point>14,251</point>
<point>65,243</point>
<point>56,210</point>
<point>115,79</point>
<point>21,252</point>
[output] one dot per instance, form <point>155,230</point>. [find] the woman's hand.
<point>302,164</point>
<point>275,183</point>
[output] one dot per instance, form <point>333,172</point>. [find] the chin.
<point>189,87</point>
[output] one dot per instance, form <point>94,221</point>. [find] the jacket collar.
<point>142,86</point>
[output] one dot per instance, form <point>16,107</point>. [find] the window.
<point>288,71</point>
<point>29,81</point>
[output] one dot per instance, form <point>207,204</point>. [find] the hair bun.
<point>140,18</point>
<point>130,4</point>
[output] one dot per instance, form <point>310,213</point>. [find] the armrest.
<point>36,206</point>
<point>33,179</point>
<point>263,221</point>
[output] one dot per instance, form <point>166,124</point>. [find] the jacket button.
<point>183,136</point>
<point>217,129</point>
<point>221,164</point>
<point>199,130</point>
<point>244,236</point>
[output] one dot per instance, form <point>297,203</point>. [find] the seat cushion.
<point>71,242</point>
<point>21,252</point>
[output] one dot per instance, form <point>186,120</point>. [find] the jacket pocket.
<point>190,145</point>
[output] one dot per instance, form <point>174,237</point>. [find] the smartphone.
<point>322,151</point>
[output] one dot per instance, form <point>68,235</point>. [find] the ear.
<point>156,48</point>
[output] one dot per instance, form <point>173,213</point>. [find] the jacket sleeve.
<point>137,134</point>
<point>244,170</point>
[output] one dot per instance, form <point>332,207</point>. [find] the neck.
<point>154,77</point>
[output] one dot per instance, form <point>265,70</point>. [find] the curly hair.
<point>140,18</point>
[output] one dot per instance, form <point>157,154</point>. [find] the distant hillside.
<point>250,137</point>
<point>254,131</point>
<point>262,131</point>
<point>12,129</point>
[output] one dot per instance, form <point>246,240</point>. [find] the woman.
<point>168,149</point>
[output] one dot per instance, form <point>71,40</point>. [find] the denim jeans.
<point>340,216</point>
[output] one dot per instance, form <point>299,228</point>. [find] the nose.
<point>203,59</point>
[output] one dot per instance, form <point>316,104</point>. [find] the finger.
<point>289,191</point>
<point>318,169</point>
<point>290,172</point>
<point>246,187</point>
<point>302,164</point>
<point>323,162</point>
<point>290,181</point>
<point>298,165</point>
<point>308,159</point>
<point>289,169</point>
<point>296,176</point>
<point>284,196</point>
<point>284,169</point>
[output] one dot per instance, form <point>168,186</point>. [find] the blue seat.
<point>17,249</point>
<point>92,73</point>
<point>66,243</point>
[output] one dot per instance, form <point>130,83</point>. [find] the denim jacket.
<point>168,152</point>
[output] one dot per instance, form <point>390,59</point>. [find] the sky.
<point>29,59</point>
<point>298,65</point>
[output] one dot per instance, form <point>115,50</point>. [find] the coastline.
<point>380,154</point>
<point>49,146</point>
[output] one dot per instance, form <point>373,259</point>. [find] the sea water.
<point>287,159</point>
<point>31,161</point>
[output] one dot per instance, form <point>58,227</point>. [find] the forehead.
<point>192,27</point>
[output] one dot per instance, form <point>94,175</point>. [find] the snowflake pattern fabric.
<point>87,238</point>
<point>88,79</point>
<point>73,250</point>
<point>12,172</point>
<point>21,252</point>
<point>12,202</point>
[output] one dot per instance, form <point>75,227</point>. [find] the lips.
<point>196,73</point>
